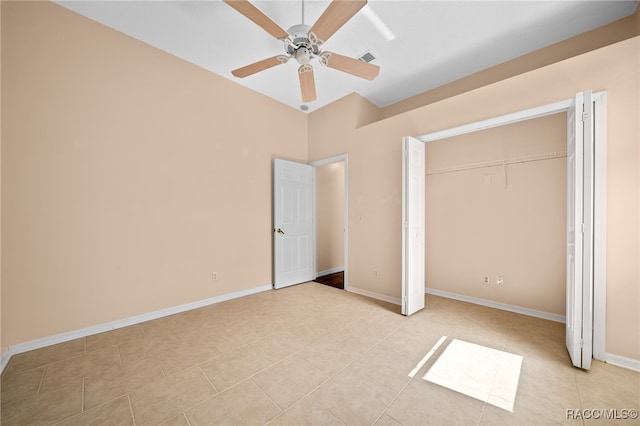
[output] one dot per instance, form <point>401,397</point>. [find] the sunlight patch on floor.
<point>483,373</point>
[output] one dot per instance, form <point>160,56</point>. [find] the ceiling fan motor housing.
<point>300,36</point>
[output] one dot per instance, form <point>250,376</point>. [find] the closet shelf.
<point>503,162</point>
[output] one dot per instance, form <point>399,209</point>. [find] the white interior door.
<point>413,225</point>
<point>579,314</point>
<point>293,242</point>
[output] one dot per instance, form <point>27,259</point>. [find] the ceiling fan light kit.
<point>303,43</point>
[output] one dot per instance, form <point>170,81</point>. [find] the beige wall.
<point>330,216</point>
<point>375,170</point>
<point>129,176</point>
<point>499,220</point>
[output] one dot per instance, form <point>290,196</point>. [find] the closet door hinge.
<point>585,115</point>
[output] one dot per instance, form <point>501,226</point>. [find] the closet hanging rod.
<point>497,163</point>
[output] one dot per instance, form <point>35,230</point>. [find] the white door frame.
<point>323,162</point>
<point>600,194</point>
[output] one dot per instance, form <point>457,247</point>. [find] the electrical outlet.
<point>214,276</point>
<point>500,280</point>
<point>486,280</point>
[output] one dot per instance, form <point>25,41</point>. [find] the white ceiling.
<point>436,42</point>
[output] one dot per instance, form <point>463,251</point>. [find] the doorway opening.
<point>496,201</point>
<point>331,221</point>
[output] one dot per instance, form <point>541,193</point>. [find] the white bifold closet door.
<point>580,184</point>
<point>413,225</point>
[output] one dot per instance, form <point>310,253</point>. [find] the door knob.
<point>280,231</point>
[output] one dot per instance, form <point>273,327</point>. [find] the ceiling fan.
<point>303,43</point>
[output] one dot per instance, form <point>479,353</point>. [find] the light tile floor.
<point>307,354</point>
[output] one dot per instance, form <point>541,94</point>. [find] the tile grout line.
<point>269,397</point>
<point>330,413</point>
<point>133,417</point>
<point>227,389</point>
<point>119,355</point>
<point>313,401</point>
<point>484,406</point>
<point>199,403</point>
<point>506,343</point>
<point>207,377</point>
<point>575,381</point>
<point>412,378</point>
<point>308,394</point>
<point>252,342</point>
<point>365,352</point>
<point>393,400</point>
<point>107,402</point>
<point>155,357</point>
<point>249,377</point>
<point>216,346</point>
<point>331,376</point>
<point>198,363</point>
<point>504,349</point>
<point>44,371</point>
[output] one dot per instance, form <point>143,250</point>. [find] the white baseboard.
<point>6,356</point>
<point>329,271</point>
<point>621,361</point>
<point>373,295</point>
<point>497,305</point>
<point>100,328</point>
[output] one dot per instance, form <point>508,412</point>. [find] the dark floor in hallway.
<point>334,280</point>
